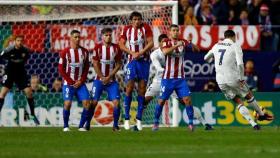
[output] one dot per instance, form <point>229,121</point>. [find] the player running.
<point>73,67</point>
<point>229,67</point>
<point>15,72</point>
<point>140,40</point>
<point>158,61</point>
<point>173,78</point>
<point>107,62</point>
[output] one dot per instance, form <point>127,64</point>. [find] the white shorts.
<point>154,90</point>
<point>231,90</point>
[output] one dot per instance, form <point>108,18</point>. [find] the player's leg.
<point>114,95</point>
<point>130,76</point>
<point>253,103</point>
<point>143,68</point>
<point>30,100</point>
<point>83,95</point>
<point>7,85</point>
<point>183,92</point>
<point>3,93</point>
<point>197,115</point>
<point>152,91</point>
<point>67,92</point>
<point>245,112</point>
<point>92,107</point>
<point>166,90</point>
<point>230,93</point>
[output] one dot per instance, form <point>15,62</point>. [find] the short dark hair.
<point>173,25</point>
<point>19,36</point>
<point>135,14</point>
<point>74,31</point>
<point>105,30</point>
<point>161,37</point>
<point>229,34</point>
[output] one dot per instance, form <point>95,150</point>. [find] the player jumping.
<point>140,39</point>
<point>229,67</point>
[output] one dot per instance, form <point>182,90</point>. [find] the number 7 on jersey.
<point>222,51</point>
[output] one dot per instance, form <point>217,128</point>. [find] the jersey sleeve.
<point>123,34</point>
<point>149,32</point>
<point>4,54</point>
<point>238,54</point>
<point>85,68</point>
<point>62,67</point>
<point>118,56</point>
<point>155,61</point>
<point>95,55</point>
<point>166,43</point>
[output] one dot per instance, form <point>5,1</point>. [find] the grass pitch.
<point>167,142</point>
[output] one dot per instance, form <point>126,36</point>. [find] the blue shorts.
<point>178,85</point>
<point>81,93</point>
<point>112,90</point>
<point>137,69</point>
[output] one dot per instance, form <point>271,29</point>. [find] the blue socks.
<point>189,110</point>
<point>158,113</point>
<point>116,115</point>
<point>84,117</point>
<point>140,108</point>
<point>127,103</point>
<point>91,113</point>
<point>66,114</point>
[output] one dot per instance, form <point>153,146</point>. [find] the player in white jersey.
<point>158,61</point>
<point>229,67</point>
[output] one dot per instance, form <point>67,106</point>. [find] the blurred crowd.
<point>235,12</point>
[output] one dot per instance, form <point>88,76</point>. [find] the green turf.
<point>168,142</point>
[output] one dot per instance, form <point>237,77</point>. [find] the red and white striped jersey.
<point>137,38</point>
<point>107,56</point>
<point>74,65</point>
<point>174,62</point>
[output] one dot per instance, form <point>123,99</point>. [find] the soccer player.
<point>73,67</point>
<point>140,40</point>
<point>158,61</point>
<point>107,62</point>
<point>229,67</point>
<point>173,76</point>
<point>17,55</point>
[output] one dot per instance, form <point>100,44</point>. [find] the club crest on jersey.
<point>23,55</point>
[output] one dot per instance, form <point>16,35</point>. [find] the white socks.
<point>197,115</point>
<point>245,113</point>
<point>253,103</point>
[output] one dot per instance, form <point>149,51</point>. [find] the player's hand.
<point>77,84</point>
<point>106,80</point>
<point>136,55</point>
<point>190,38</point>
<point>242,83</point>
<point>180,43</point>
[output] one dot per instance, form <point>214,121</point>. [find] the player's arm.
<point>195,48</point>
<point>156,62</point>
<point>28,52</point>
<point>209,56</point>
<point>123,41</point>
<point>239,61</point>
<point>4,54</point>
<point>150,41</point>
<point>85,69</point>
<point>96,63</point>
<point>62,68</point>
<point>168,49</point>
